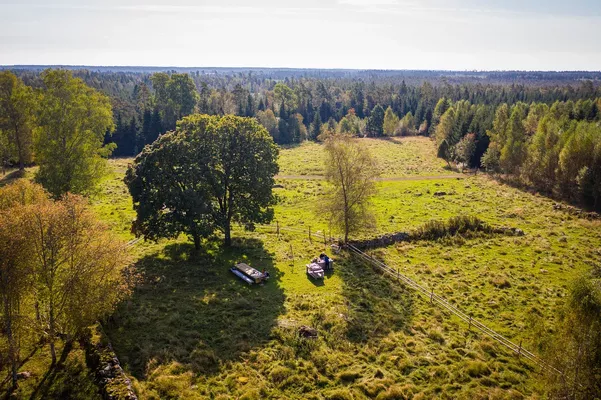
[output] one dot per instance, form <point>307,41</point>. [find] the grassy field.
<point>194,331</point>
<point>397,157</point>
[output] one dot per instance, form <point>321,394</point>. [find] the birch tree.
<point>351,171</point>
<point>17,107</point>
<point>78,267</point>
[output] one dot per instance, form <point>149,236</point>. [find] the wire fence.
<point>434,298</point>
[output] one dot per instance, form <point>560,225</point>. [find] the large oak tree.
<point>211,171</point>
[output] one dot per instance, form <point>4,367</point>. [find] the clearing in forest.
<point>192,330</point>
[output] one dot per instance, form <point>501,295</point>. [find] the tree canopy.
<point>211,171</point>
<point>375,122</point>
<point>176,96</point>
<point>17,113</point>
<point>60,268</point>
<point>351,170</point>
<point>73,119</point>
<point>391,122</point>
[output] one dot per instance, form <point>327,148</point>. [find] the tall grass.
<point>463,225</point>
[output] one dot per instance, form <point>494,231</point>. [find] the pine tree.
<point>316,126</point>
<point>156,127</point>
<point>132,137</point>
<point>284,129</point>
<point>375,123</point>
<point>146,126</point>
<point>325,111</point>
<point>250,106</point>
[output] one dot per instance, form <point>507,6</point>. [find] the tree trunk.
<point>196,242</point>
<point>346,226</point>
<point>11,344</point>
<point>52,336</point>
<point>228,234</point>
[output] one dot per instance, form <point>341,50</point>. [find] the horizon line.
<point>84,66</point>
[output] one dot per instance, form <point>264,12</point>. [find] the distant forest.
<point>502,121</point>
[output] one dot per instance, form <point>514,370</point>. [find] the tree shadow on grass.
<point>189,308</point>
<point>10,177</point>
<point>377,304</point>
<point>69,378</point>
<point>389,139</point>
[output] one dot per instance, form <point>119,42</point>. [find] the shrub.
<point>460,225</point>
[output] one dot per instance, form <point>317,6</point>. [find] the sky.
<point>355,34</point>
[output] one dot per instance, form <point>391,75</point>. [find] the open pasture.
<point>193,330</point>
<point>397,157</point>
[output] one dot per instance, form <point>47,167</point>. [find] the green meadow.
<point>192,330</point>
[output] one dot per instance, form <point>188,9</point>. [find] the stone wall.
<point>102,360</point>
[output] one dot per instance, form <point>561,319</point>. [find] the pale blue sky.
<point>382,34</point>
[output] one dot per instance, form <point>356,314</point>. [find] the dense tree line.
<point>555,148</point>
<point>295,105</point>
<point>540,121</point>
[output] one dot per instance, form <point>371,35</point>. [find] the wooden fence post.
<point>292,255</point>
<point>432,296</point>
<point>520,349</point>
<point>310,240</point>
<point>325,242</point>
<point>469,328</point>
<point>277,224</point>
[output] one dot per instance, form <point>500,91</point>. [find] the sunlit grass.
<point>396,157</point>
<point>193,330</point>
<point>376,338</point>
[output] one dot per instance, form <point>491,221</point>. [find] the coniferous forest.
<point>539,129</point>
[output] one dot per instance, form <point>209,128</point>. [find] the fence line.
<point>133,241</point>
<point>436,299</point>
<point>429,293</point>
<point>433,298</point>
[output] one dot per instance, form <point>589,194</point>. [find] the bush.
<point>464,225</point>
